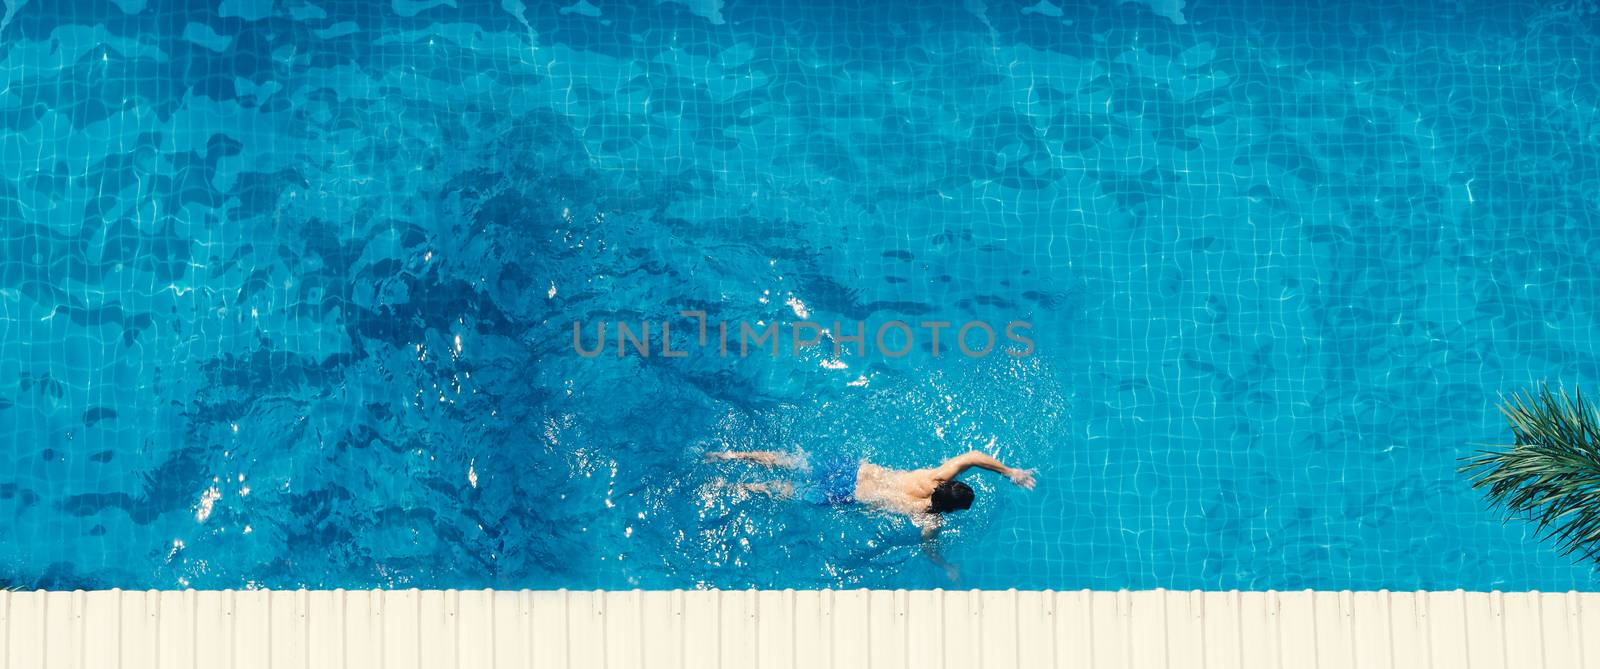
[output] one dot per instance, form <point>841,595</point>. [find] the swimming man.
<point>922,495</point>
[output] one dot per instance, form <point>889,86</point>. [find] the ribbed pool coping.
<point>702,629</point>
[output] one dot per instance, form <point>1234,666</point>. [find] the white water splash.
<point>798,307</point>
<point>208,500</point>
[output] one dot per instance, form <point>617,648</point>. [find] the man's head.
<point>951,496</point>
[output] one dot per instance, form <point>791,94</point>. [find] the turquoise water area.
<point>287,287</point>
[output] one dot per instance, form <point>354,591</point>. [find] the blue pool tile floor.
<point>287,288</point>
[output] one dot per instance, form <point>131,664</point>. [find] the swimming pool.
<point>287,289</point>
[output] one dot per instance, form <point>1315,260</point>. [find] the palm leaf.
<point>1551,474</point>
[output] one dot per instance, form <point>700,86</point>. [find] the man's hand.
<point>1022,477</point>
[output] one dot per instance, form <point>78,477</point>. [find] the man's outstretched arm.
<point>956,465</point>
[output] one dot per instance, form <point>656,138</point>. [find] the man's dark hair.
<point>951,496</point>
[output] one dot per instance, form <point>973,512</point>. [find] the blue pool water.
<point>287,288</point>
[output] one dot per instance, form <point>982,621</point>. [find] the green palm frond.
<point>1551,474</point>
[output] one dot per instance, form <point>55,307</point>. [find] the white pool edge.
<point>478,629</point>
